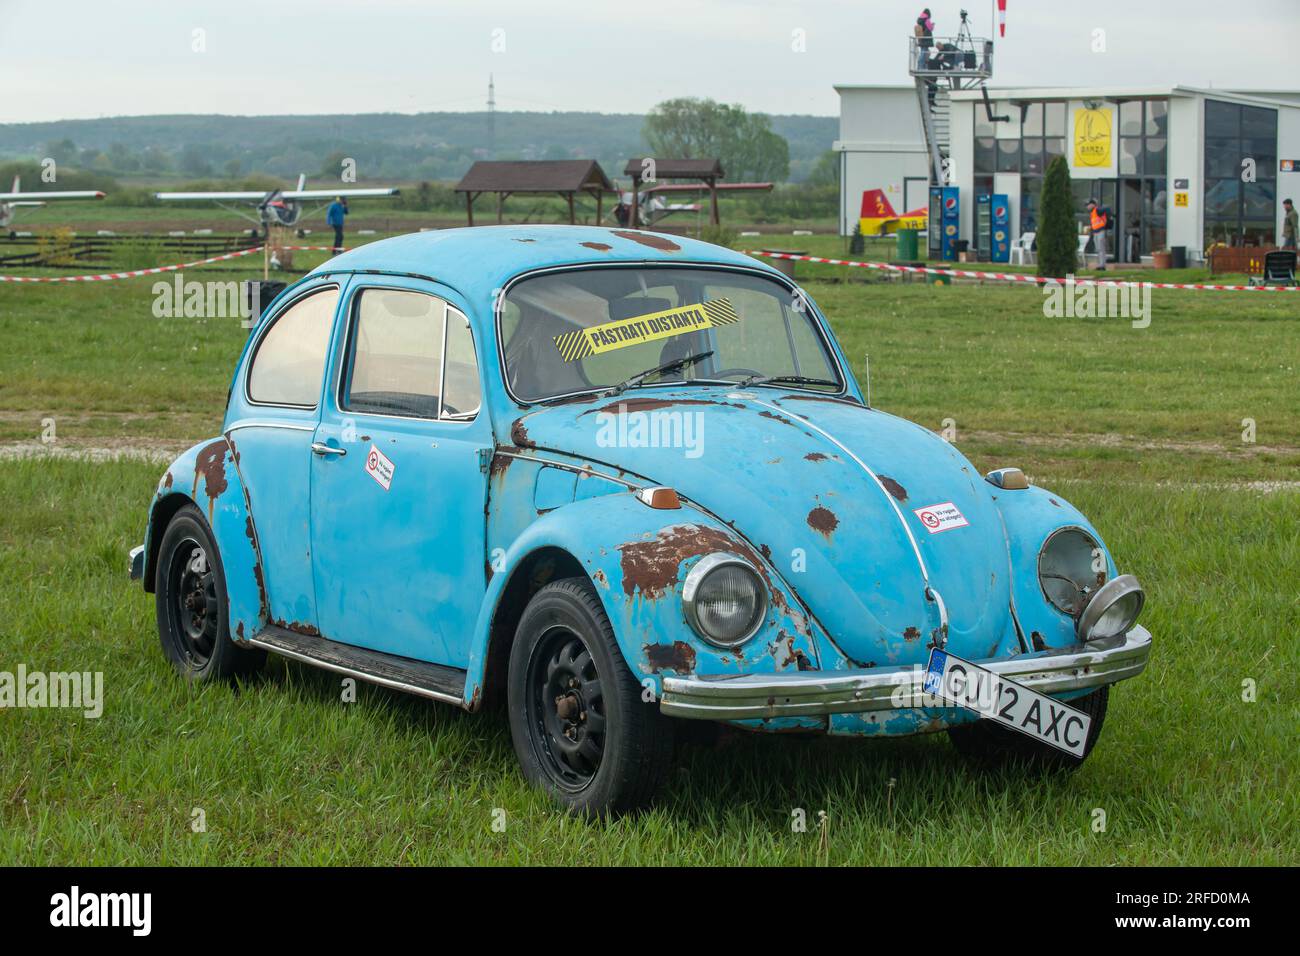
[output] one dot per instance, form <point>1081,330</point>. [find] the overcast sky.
<point>78,58</point>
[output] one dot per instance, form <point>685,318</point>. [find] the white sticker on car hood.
<point>941,517</point>
<point>379,467</point>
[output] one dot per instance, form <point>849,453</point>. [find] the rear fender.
<point>207,476</point>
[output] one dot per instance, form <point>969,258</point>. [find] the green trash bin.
<point>907,245</point>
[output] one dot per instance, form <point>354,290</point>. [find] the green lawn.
<point>1139,427</point>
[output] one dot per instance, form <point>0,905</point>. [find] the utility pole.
<point>492,118</point>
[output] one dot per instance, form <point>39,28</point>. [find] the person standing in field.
<point>1098,223</point>
<point>334,216</point>
<point>1290,225</point>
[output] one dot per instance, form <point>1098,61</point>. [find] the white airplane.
<point>279,207</point>
<point>13,199</point>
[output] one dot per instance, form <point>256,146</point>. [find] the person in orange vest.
<point>1098,223</point>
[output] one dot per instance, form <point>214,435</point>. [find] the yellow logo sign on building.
<point>1092,138</point>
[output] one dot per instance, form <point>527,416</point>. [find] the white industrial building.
<point>1178,165</point>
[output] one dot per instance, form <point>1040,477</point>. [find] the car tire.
<point>192,606</point>
<point>986,742</point>
<point>580,727</point>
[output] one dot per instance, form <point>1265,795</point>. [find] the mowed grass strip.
<point>285,772</point>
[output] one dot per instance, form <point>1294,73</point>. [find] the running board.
<point>446,684</point>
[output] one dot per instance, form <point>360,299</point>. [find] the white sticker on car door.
<point>379,467</point>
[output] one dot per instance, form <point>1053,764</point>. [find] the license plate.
<point>1011,704</point>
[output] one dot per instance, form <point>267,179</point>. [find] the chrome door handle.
<point>320,448</point>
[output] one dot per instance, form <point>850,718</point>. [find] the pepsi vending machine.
<point>983,225</point>
<point>1000,225</point>
<point>944,224</point>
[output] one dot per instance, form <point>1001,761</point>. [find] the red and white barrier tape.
<point>1021,277</point>
<point>107,276</point>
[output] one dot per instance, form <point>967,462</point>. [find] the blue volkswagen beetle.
<point>615,481</point>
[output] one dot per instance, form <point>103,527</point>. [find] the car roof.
<point>480,260</point>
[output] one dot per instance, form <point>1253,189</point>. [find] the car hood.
<point>829,492</point>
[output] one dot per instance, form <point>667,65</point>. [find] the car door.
<point>398,483</point>
<point>274,408</point>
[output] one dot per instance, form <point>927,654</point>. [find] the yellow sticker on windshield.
<point>645,328</point>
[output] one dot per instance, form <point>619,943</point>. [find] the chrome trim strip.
<point>565,466</point>
<point>839,692</point>
<point>360,675</point>
<point>259,424</point>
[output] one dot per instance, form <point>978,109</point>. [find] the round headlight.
<point>1114,609</point>
<point>724,600</point>
<point>1067,569</point>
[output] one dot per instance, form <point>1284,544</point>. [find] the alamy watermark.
<point>659,428</point>
<point>77,690</point>
<point>1071,299</point>
<point>191,299</point>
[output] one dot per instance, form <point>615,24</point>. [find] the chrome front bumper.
<point>805,693</point>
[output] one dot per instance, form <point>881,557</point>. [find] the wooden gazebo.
<point>565,177</point>
<point>706,171</point>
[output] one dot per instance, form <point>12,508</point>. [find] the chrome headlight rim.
<point>1038,566</point>
<point>1105,598</point>
<point>695,578</point>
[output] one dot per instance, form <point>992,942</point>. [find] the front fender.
<point>637,558</point>
<point>207,475</point>
<point>1029,516</point>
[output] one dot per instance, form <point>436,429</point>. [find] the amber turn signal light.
<point>661,497</point>
<point>1008,479</point>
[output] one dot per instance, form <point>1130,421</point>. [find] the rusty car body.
<point>443,475</point>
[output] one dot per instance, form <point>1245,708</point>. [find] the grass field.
<point>1142,428</point>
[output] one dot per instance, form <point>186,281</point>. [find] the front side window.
<point>595,328</point>
<point>409,355</point>
<point>290,360</point>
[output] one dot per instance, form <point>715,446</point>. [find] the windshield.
<point>567,332</point>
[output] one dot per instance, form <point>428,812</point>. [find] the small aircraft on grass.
<point>879,218</point>
<point>652,207</point>
<point>15,198</point>
<point>279,207</point>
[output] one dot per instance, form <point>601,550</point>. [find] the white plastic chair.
<point>1022,249</point>
<point>1083,249</point>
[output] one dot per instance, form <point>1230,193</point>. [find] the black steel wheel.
<point>580,726</point>
<point>191,604</point>
<point>566,707</point>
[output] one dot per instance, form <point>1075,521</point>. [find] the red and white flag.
<point>1002,17</point>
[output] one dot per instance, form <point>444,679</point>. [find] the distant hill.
<point>385,145</point>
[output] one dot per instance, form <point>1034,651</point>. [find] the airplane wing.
<point>331,193</point>
<point>42,197</point>
<point>701,187</point>
<point>216,197</point>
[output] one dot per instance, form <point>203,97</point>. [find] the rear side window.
<point>460,390</point>
<point>290,359</point>
<point>410,355</point>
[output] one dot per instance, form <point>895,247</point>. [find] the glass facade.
<point>1240,145</point>
<point>1137,196</point>
<point>1141,194</point>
